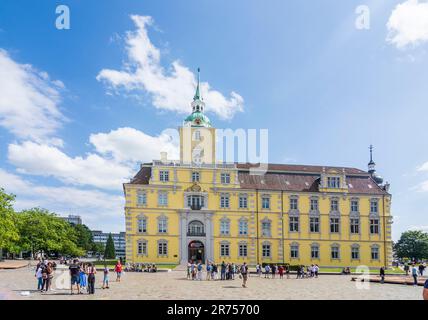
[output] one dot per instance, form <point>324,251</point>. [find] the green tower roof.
<point>198,119</point>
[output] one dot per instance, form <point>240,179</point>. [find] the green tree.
<point>8,230</point>
<point>110,252</point>
<point>413,245</point>
<point>43,231</point>
<point>98,248</point>
<point>85,239</point>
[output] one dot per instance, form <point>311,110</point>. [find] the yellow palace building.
<point>196,208</point>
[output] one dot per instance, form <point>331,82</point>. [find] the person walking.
<point>267,271</point>
<point>317,270</point>
<point>421,270</point>
<point>406,268</point>
<point>209,270</point>
<point>281,271</point>
<point>233,271</point>
<point>39,277</point>
<point>118,269</point>
<point>74,275</point>
<point>258,270</point>
<point>415,275</point>
<point>189,266</point>
<point>91,270</point>
<point>287,270</point>
<point>382,274</point>
<point>199,271</point>
<point>214,272</point>
<point>244,274</point>
<point>273,271</point>
<point>223,271</point>
<point>106,278</point>
<point>82,278</point>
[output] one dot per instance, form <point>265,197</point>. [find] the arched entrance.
<point>196,251</point>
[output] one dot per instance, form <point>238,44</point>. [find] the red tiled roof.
<point>304,183</point>
<point>301,168</point>
<point>143,176</point>
<point>299,178</point>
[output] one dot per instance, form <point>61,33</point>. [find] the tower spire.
<point>197,93</point>
<point>371,153</point>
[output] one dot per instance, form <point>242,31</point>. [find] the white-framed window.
<point>374,226</point>
<point>354,205</point>
<point>142,225</point>
<point>195,201</point>
<point>375,253</point>
<point>224,226</point>
<point>164,175</point>
<point>374,208</point>
<point>142,247</point>
<point>225,178</point>
<point>224,249</point>
<point>314,224</point>
<point>334,205</point>
<point>355,253</point>
<point>141,198</point>
<point>314,204</point>
<point>355,225</point>
<point>294,251</point>
<point>335,252</point>
<point>333,182</point>
<point>195,176</point>
<point>266,228</point>
<point>196,228</point>
<point>266,250</point>
<point>265,202</point>
<point>294,224</point>
<point>243,250</point>
<point>162,225</point>
<point>293,204</point>
<point>243,201</point>
<point>162,248</point>
<point>162,198</point>
<point>197,135</point>
<point>334,224</point>
<point>224,201</point>
<point>243,227</point>
<point>315,251</point>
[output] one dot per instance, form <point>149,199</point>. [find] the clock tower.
<point>197,136</point>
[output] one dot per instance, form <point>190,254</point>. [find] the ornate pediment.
<point>195,187</point>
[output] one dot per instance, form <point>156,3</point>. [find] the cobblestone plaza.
<point>15,284</point>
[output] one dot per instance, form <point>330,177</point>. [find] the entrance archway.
<point>196,251</point>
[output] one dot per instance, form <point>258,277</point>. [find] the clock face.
<point>198,121</point>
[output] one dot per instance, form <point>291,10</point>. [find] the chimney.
<point>164,156</point>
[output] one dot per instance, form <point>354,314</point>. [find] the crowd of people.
<point>223,271</point>
<point>271,270</point>
<point>82,275</point>
<point>141,267</point>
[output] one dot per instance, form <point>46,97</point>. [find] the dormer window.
<point>333,182</point>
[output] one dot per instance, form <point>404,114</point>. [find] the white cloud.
<point>408,24</point>
<point>44,160</point>
<point>421,228</point>
<point>131,145</point>
<point>422,187</point>
<point>99,209</point>
<point>169,90</point>
<point>113,163</point>
<point>423,167</point>
<point>29,101</point>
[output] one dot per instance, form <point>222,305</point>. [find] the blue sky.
<point>79,108</point>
